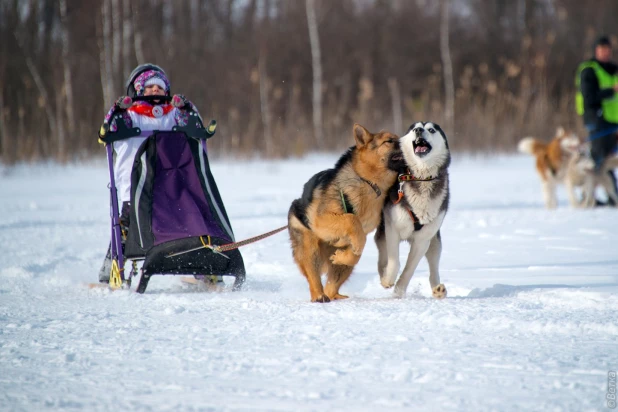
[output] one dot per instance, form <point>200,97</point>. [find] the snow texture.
<point>530,322</point>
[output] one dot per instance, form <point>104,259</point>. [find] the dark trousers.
<point>603,145</point>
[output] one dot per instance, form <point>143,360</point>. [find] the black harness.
<point>347,206</point>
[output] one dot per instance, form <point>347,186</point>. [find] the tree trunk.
<point>61,154</point>
<point>137,36</point>
<point>194,7</point>
<point>5,154</point>
<point>116,43</point>
<point>102,71</point>
<point>393,87</point>
<point>126,39</point>
<point>38,81</point>
<point>66,61</point>
<point>264,104</point>
<point>106,51</point>
<point>316,64</point>
<point>447,67</point>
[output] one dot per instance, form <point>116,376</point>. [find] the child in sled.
<point>147,80</point>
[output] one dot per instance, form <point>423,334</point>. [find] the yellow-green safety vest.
<point>606,81</point>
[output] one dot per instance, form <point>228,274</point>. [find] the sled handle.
<point>195,128</point>
<point>152,98</point>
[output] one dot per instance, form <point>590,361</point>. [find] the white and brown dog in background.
<point>565,159</point>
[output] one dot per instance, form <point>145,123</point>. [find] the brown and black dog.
<point>329,224</point>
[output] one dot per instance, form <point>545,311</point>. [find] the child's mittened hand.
<point>179,101</point>
<point>124,102</point>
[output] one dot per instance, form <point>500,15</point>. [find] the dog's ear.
<point>361,135</point>
<point>560,131</point>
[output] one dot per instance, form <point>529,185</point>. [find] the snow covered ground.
<point>531,321</point>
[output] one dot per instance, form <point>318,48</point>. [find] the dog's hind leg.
<point>575,203</point>
<point>306,252</point>
<point>418,249</point>
<point>438,290</point>
<point>549,193</point>
<point>608,184</point>
<point>588,191</point>
<point>337,275</point>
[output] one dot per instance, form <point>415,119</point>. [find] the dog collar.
<point>373,186</point>
<point>408,177</point>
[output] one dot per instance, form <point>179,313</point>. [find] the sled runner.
<point>176,218</point>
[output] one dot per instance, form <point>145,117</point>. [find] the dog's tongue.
<point>420,149</point>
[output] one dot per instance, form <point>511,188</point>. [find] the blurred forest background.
<point>283,77</point>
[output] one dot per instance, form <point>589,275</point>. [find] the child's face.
<point>153,90</point>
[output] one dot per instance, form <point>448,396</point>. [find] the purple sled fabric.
<point>180,208</point>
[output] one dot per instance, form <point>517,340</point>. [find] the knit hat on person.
<point>140,70</point>
<point>150,77</point>
<point>603,41</point>
<point>156,80</point>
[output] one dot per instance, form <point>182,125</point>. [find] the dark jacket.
<point>593,95</point>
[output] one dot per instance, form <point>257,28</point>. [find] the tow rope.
<point>219,249</point>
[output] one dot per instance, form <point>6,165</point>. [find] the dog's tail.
<point>531,145</point>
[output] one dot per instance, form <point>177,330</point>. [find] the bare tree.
<point>393,86</point>
<point>40,84</point>
<point>447,66</point>
<point>66,62</point>
<point>4,138</point>
<point>316,65</point>
<point>126,39</point>
<point>264,104</point>
<point>4,135</point>
<point>116,42</point>
<point>107,69</point>
<point>137,35</point>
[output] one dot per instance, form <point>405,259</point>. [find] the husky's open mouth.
<point>421,147</point>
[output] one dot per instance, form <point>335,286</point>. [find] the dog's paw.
<point>342,257</point>
<point>389,275</point>
<point>321,299</point>
<point>399,293</point>
<point>356,249</point>
<point>337,257</point>
<point>338,296</point>
<point>439,292</point>
<point>386,283</point>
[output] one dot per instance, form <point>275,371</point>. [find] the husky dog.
<point>329,224</point>
<point>417,206</point>
<point>582,174</point>
<point>565,159</point>
<point>557,162</point>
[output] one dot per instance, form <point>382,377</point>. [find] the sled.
<point>177,218</point>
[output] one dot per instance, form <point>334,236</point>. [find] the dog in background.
<point>558,161</point>
<point>418,205</point>
<point>582,169</point>
<point>329,224</point>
